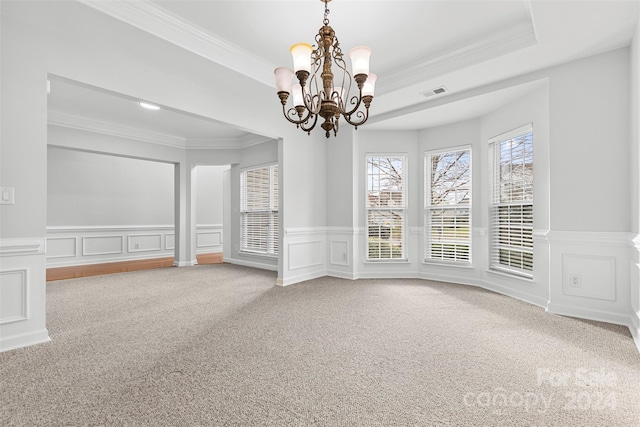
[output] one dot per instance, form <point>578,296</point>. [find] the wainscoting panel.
<point>102,245</point>
<point>209,238</point>
<point>343,250</point>
<point>13,296</point>
<point>144,242</point>
<point>589,276</point>
<point>305,255</point>
<point>169,241</point>
<point>62,247</point>
<point>22,293</point>
<point>339,253</point>
<point>89,245</point>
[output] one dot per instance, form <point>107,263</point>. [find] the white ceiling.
<point>73,99</point>
<point>417,45</point>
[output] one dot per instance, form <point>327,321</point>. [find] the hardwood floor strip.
<point>213,258</point>
<point>61,273</point>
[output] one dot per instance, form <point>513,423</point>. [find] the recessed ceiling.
<point>74,99</point>
<point>439,112</point>
<point>417,45</point>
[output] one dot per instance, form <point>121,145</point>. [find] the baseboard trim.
<point>86,270</point>
<point>341,275</point>
<point>301,278</point>
<point>458,280</point>
<point>634,328</point>
<point>253,264</point>
<point>513,293</point>
<point>589,314</point>
<point>24,340</point>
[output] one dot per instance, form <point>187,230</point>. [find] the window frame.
<point>495,205</point>
<point>272,242</point>
<point>404,209</point>
<point>428,208</point>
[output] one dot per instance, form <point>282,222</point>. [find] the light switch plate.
<point>7,196</point>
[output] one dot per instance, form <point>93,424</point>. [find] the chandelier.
<point>312,97</point>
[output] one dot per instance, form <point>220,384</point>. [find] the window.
<point>386,207</point>
<point>259,210</point>
<point>447,212</point>
<point>511,212</point>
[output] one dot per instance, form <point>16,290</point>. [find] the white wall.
<point>590,150</point>
<point>104,208</point>
<point>23,166</point>
<point>209,191</point>
<point>96,189</point>
<point>590,186</point>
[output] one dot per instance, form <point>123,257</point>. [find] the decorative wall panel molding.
<point>209,238</point>
<point>62,247</point>
<point>80,245</point>
<point>339,252</point>
<point>589,276</point>
<point>102,245</point>
<point>144,242</point>
<point>169,241</point>
<point>305,254</point>
<point>13,296</point>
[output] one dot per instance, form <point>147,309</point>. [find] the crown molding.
<point>498,44</point>
<point>110,129</point>
<point>245,141</point>
<point>174,29</point>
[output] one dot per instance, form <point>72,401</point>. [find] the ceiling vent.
<point>433,92</point>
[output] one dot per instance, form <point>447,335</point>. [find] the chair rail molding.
<point>24,246</point>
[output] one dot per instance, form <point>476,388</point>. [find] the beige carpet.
<point>221,345</point>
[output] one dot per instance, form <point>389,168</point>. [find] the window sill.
<point>462,265</point>
<point>388,261</point>
<point>258,255</point>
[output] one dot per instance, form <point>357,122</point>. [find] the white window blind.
<point>259,210</point>
<point>386,207</point>
<point>511,212</point>
<point>447,214</point>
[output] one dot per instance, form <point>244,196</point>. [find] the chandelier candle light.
<point>310,99</point>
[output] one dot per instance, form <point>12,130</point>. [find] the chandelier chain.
<point>326,13</point>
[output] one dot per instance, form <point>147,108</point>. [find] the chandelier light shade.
<point>314,93</point>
